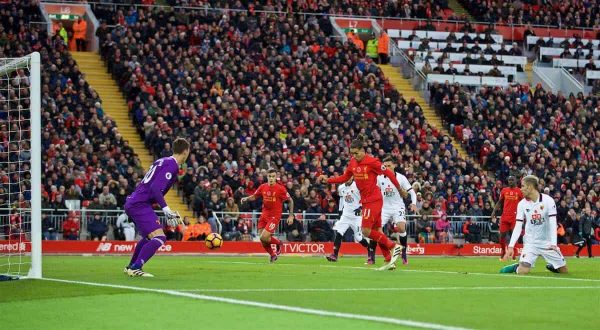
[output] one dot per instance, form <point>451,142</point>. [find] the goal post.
<point>20,167</point>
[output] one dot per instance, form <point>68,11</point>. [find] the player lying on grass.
<point>152,189</point>
<point>273,196</point>
<point>350,219</point>
<point>365,169</point>
<point>394,209</point>
<point>538,211</point>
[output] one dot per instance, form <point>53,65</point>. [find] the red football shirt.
<point>511,196</point>
<point>272,198</point>
<point>365,175</point>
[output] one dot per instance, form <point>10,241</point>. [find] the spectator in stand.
<point>244,227</point>
<point>70,228</point>
<point>229,229</point>
<point>442,229</point>
<point>106,198</point>
<point>79,32</point>
<point>320,230</point>
<point>295,231</point>
<point>425,234</point>
<point>14,229</point>
<point>97,228</point>
<point>494,229</point>
<point>126,227</point>
<point>383,47</point>
<point>48,228</point>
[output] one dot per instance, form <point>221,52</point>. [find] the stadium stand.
<point>83,151</point>
<point>255,91</point>
<point>431,9</point>
<point>294,102</point>
<point>571,14</point>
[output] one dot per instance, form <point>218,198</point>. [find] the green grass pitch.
<point>437,292</point>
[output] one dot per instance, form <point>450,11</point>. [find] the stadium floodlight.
<point>20,167</point>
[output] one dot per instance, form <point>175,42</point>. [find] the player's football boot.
<point>332,258</point>
<point>552,269</point>
<point>138,273</point>
<point>395,252</point>
<point>392,266</point>
<point>126,269</point>
<point>273,258</point>
<point>370,261</point>
<point>404,257</point>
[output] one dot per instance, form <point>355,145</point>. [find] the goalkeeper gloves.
<point>173,218</point>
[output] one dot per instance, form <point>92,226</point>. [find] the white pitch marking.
<point>413,270</point>
<point>452,288</point>
<point>388,320</point>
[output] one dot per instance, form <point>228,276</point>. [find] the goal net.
<point>20,167</point>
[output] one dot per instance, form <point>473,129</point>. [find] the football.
<point>213,241</point>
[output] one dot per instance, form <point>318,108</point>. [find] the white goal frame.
<point>33,63</point>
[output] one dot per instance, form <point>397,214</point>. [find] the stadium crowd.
<point>253,92</point>
<point>569,14</point>
<point>281,95</point>
<point>522,130</point>
<point>83,156</point>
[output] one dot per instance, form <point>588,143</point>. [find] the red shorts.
<point>507,226</point>
<point>268,223</point>
<point>371,214</point>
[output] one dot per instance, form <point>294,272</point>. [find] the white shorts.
<point>345,222</point>
<point>529,254</point>
<point>393,216</point>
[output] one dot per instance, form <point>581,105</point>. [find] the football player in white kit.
<point>351,218</point>
<point>538,211</point>
<point>394,210</point>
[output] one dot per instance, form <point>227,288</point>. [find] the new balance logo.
<point>104,247</point>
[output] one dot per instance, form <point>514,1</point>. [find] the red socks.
<point>387,256</point>
<point>384,241</point>
<point>503,243</point>
<point>275,240</point>
<point>267,247</point>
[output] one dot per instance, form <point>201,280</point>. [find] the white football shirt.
<point>539,218</point>
<point>349,198</point>
<point>391,196</point>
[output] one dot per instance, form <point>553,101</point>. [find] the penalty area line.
<point>380,319</point>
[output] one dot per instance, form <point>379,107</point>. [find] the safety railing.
<point>58,216</point>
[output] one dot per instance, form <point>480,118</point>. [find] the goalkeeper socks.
<point>337,242</point>
<point>137,250</point>
<point>509,269</point>
<point>148,251</point>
